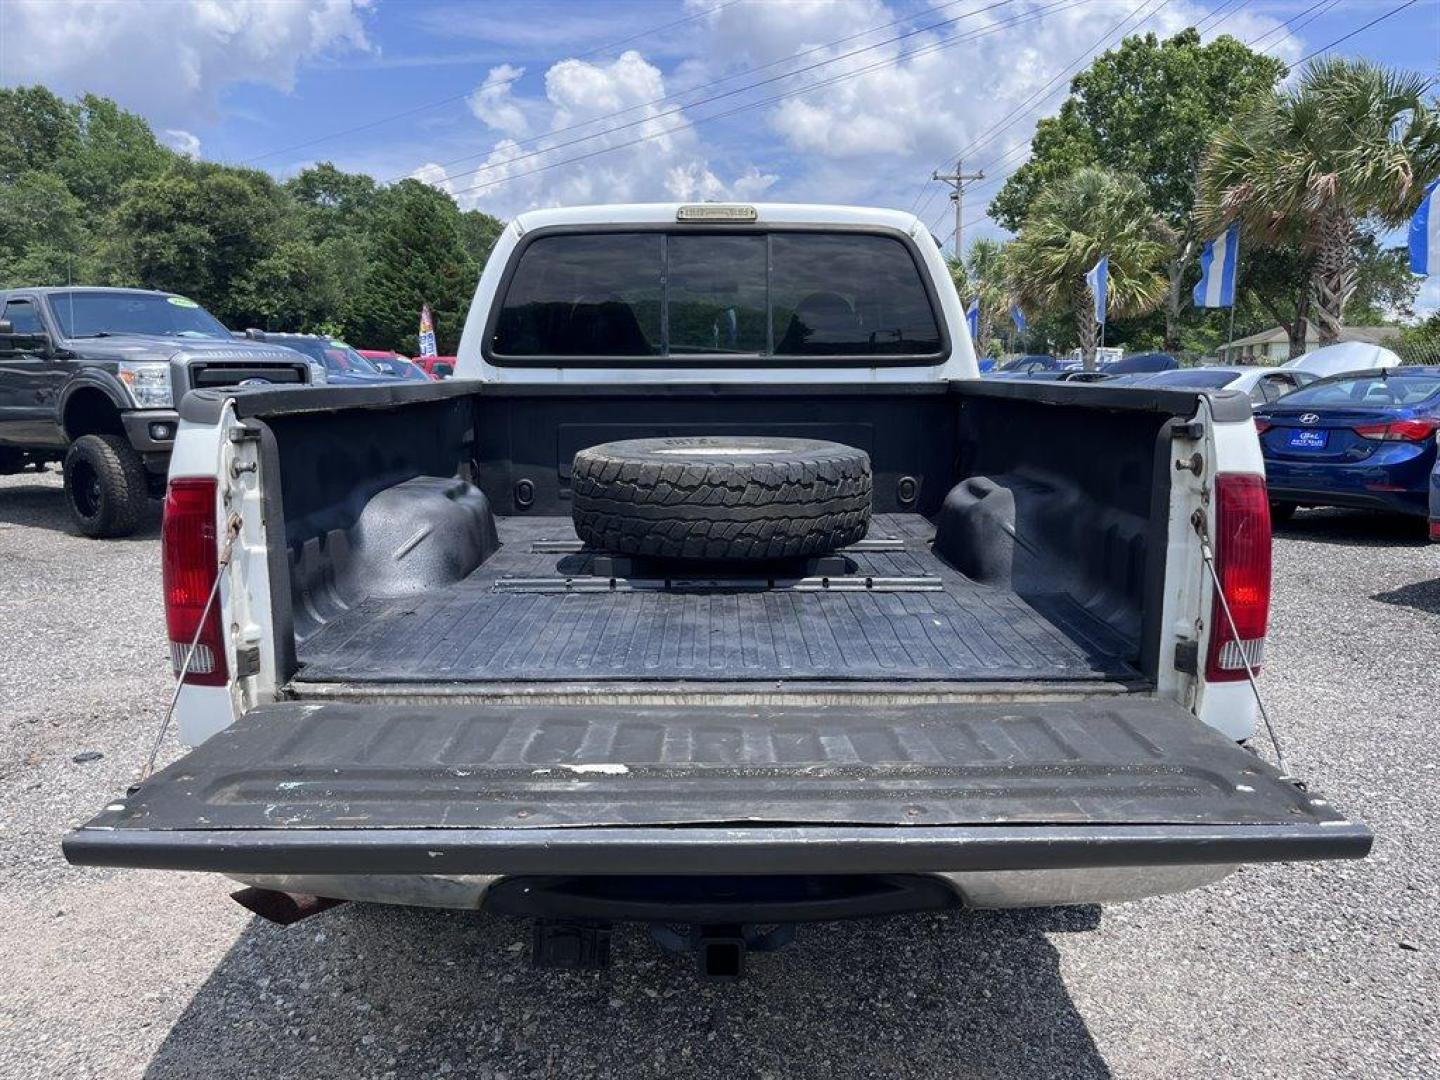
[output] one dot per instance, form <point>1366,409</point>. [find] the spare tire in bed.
<point>721,497</point>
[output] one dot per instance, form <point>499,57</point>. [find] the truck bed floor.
<point>489,627</point>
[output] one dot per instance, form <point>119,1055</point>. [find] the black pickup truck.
<point>91,377</point>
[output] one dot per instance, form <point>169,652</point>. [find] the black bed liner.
<point>503,789</point>
<point>492,627</point>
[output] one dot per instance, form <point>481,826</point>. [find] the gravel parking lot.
<point>1313,970</point>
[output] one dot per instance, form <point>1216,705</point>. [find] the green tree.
<point>416,256</point>
<point>1147,109</point>
<point>478,232</point>
<point>986,273</point>
<point>333,202</point>
<point>112,148</point>
<point>1090,213</point>
<point>1420,343</point>
<point>1385,289</point>
<point>199,229</point>
<point>42,236</point>
<point>1308,166</point>
<point>293,287</point>
<point>37,130</point>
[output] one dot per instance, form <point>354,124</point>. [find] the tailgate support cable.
<point>1207,552</point>
<point>232,530</point>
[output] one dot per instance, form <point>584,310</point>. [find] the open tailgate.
<point>370,788</point>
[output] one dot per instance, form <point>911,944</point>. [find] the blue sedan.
<point>1365,439</point>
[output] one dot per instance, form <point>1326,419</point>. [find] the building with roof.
<point>1273,346</point>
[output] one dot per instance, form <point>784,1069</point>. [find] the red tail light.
<point>1242,562</point>
<point>1399,430</point>
<point>1262,426</point>
<point>1435,530</point>
<point>190,565</point>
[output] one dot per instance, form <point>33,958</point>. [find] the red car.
<point>437,367</point>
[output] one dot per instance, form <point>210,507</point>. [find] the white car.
<point>1346,356</point>
<point>1263,384</point>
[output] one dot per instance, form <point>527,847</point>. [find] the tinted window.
<point>786,294</point>
<point>1394,389</point>
<point>87,314</point>
<point>717,294</point>
<point>584,296</point>
<point>24,319</point>
<point>848,295</point>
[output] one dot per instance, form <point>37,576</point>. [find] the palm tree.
<point>1090,213</point>
<point>985,272</point>
<point>1303,167</point>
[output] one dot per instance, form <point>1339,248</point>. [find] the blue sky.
<point>470,94</point>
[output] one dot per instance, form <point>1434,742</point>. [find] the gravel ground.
<point>1311,970</point>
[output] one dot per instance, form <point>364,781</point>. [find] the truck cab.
<point>92,377</point>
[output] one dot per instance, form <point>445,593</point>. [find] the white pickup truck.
<point>716,590</point>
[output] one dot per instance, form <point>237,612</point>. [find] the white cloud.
<point>869,137</point>
<point>434,175</point>
<point>875,135</point>
<point>495,105</point>
<point>669,164</point>
<point>183,141</point>
<point>169,61</point>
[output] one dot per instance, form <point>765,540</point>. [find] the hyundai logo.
<point>1305,418</point>
<point>253,382</point>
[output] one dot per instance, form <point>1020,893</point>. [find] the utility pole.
<point>957,181</point>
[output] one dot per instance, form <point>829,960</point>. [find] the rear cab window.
<point>681,296</point>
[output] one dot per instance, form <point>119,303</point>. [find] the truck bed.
<point>538,610</point>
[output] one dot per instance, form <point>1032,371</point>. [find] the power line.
<point>1251,44</point>
<point>1203,28</point>
<point>1358,30</point>
<point>919,206</point>
<point>1284,26</point>
<point>440,103</point>
<point>676,110</point>
<point>713,82</point>
<point>1325,4</point>
<point>1040,13</point>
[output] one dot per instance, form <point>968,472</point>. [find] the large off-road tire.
<point>104,485</point>
<point>721,497</point>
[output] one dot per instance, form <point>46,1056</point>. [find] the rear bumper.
<point>721,850</point>
<point>777,899</point>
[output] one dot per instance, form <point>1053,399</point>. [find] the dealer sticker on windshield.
<point>182,301</point>
<point>1309,440</point>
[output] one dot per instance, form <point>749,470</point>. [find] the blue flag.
<point>1099,281</point>
<point>1018,318</point>
<point>1216,287</point>
<point>1425,233</point>
<point>972,318</point>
